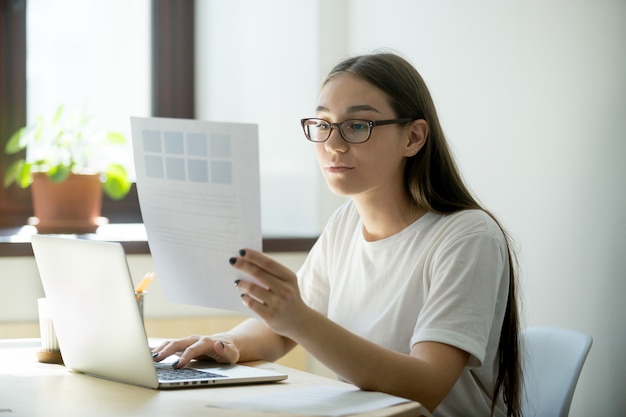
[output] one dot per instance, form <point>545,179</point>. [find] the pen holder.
<point>140,297</point>
<point>50,352</point>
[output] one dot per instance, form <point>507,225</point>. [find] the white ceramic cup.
<point>47,333</point>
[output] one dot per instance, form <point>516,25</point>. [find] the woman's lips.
<point>338,168</point>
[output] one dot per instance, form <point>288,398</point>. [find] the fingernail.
<point>242,252</point>
<point>222,343</point>
<point>237,281</point>
<point>174,364</point>
<point>232,261</point>
<point>155,354</point>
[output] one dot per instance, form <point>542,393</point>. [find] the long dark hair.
<point>433,180</point>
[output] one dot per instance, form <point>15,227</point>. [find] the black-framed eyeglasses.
<point>352,131</point>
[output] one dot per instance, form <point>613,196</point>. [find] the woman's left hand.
<point>277,300</point>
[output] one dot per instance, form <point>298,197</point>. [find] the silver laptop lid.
<point>94,310</point>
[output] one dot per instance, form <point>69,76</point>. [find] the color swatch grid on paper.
<point>193,157</point>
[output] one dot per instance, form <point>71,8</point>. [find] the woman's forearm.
<point>426,375</point>
<point>256,341</point>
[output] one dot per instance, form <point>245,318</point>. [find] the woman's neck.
<point>384,217</point>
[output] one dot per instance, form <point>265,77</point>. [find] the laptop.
<point>98,323</point>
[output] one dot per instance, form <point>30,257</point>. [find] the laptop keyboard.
<point>165,372</point>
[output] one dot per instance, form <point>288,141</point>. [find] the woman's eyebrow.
<point>362,107</point>
<point>351,109</point>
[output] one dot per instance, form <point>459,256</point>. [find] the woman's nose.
<point>335,142</point>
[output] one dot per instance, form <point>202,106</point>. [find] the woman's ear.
<point>417,137</point>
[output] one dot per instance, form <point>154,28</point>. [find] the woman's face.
<point>363,169</point>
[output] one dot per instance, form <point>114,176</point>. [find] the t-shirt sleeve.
<point>465,275</point>
<point>313,279</point>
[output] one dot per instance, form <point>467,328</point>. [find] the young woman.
<point>410,289</point>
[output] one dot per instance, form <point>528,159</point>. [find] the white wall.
<point>532,96</point>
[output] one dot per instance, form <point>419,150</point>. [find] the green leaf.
<point>24,176</point>
<point>11,173</point>
<point>115,138</point>
<point>19,173</point>
<point>14,144</point>
<point>57,114</point>
<point>116,184</point>
<point>59,173</point>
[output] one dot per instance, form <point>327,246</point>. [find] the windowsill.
<point>132,236</point>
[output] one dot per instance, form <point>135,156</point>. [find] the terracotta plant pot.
<point>72,206</point>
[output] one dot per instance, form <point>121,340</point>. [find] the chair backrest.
<point>552,364</point>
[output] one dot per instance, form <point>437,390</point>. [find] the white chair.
<point>552,363</point>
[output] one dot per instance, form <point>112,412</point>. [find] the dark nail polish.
<point>237,281</point>
<point>155,354</point>
<point>174,364</point>
<point>242,252</point>
<point>232,261</point>
<point>222,343</point>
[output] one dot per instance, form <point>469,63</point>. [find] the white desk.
<point>32,389</point>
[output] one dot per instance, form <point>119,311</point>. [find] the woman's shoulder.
<point>470,221</point>
<point>471,216</point>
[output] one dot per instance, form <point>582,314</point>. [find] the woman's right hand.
<point>219,348</point>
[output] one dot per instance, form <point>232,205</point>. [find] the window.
<point>237,89</point>
<point>91,56</point>
<point>170,93</point>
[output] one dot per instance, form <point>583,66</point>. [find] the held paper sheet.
<point>199,191</point>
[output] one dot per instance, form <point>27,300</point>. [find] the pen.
<point>144,284</point>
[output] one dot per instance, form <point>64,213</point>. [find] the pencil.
<point>145,283</point>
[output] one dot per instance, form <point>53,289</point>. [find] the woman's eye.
<point>358,125</point>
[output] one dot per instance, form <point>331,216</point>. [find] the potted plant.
<point>68,165</point>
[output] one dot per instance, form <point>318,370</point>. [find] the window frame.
<point>15,203</point>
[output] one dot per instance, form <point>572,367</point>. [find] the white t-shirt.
<point>444,278</point>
